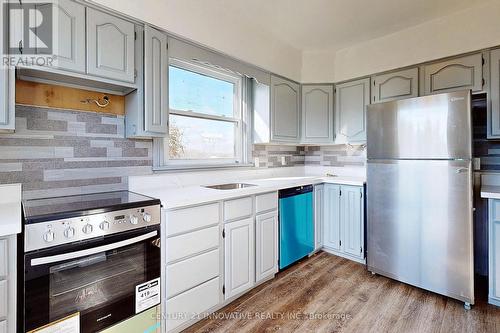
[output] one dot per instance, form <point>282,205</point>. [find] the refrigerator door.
<point>420,224</point>
<point>430,127</point>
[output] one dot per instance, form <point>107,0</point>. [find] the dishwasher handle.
<point>295,191</point>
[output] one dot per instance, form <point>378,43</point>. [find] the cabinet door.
<point>110,46</point>
<point>494,251</point>
<point>156,81</point>
<point>319,213</point>
<point>394,86</point>
<point>7,83</point>
<point>332,237</point>
<point>70,45</point>
<point>239,256</point>
<point>350,111</point>
<point>494,113</point>
<point>455,74</point>
<point>285,97</point>
<point>317,113</point>
<point>351,216</point>
<point>266,245</point>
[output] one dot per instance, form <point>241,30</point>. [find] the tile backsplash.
<point>336,156</point>
<point>60,152</point>
<point>270,156</point>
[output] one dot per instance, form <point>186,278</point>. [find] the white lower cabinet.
<point>331,222</point>
<point>215,252</point>
<point>494,252</point>
<point>266,245</point>
<point>344,221</point>
<point>319,214</point>
<point>239,257</point>
<point>192,304</point>
<point>8,279</point>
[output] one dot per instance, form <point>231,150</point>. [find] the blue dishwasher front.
<point>296,224</point>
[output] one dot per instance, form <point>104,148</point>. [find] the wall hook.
<point>97,102</point>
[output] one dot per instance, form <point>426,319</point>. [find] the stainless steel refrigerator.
<point>419,193</point>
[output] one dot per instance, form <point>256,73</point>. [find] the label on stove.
<point>147,295</point>
<point>70,324</point>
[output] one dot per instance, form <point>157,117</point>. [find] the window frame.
<point>241,120</point>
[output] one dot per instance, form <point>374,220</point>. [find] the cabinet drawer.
<point>3,298</point>
<point>3,258</point>
<point>184,220</point>
<point>192,243</point>
<point>238,208</point>
<point>266,202</point>
<point>189,273</point>
<point>182,308</point>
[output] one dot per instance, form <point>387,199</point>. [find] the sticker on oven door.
<point>70,324</point>
<point>147,295</point>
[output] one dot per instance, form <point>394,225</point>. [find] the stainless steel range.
<point>89,260</point>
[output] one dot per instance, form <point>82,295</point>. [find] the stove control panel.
<point>47,234</point>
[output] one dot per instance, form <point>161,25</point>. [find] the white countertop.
<point>177,197</point>
<point>10,209</point>
<point>490,192</point>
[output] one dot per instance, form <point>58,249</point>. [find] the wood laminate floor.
<point>326,293</point>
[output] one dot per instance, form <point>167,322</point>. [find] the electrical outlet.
<point>283,160</point>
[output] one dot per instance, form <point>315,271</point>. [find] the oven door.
<point>99,280</point>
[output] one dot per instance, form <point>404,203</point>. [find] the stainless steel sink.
<point>230,186</point>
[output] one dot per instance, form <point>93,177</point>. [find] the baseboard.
<point>493,300</point>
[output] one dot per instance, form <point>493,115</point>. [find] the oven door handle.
<point>91,251</point>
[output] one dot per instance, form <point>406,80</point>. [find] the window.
<point>207,121</point>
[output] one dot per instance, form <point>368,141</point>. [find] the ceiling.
<point>336,24</point>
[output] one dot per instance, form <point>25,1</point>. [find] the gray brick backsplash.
<point>63,152</point>
<point>335,155</point>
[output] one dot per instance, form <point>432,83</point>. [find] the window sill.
<point>181,168</point>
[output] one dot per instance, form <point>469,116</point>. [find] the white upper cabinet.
<point>69,48</point>
<point>7,85</point>
<point>317,113</point>
<point>494,113</point>
<point>285,97</point>
<point>110,46</point>
<point>351,101</point>
<point>155,81</point>
<point>396,85</point>
<point>452,75</point>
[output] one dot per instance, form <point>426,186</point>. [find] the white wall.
<point>468,30</point>
<point>207,23</point>
<point>318,66</point>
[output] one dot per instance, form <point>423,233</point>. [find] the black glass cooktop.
<point>42,210</point>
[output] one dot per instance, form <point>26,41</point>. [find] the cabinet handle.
<point>460,170</point>
<point>21,46</point>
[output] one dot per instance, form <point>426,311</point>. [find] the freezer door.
<point>420,224</point>
<point>430,127</point>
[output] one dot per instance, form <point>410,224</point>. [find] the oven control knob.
<point>146,217</point>
<point>48,236</point>
<point>87,229</point>
<point>69,232</point>
<point>134,219</point>
<point>104,225</point>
